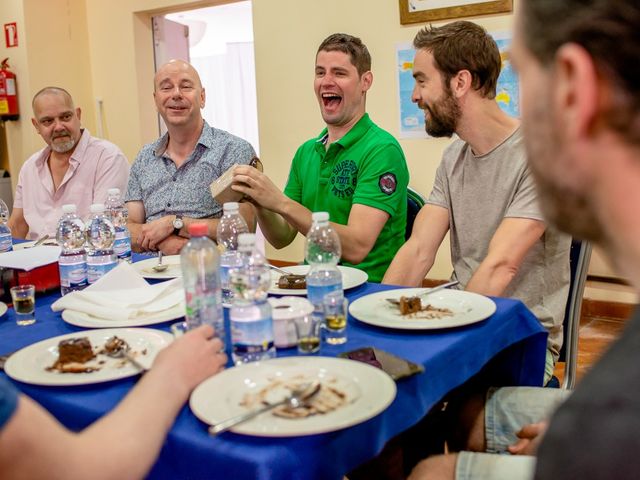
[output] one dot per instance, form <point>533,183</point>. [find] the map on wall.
<point>412,118</point>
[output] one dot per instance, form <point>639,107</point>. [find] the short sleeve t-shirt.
<point>481,191</point>
<point>165,189</point>
<point>8,401</point>
<point>366,166</point>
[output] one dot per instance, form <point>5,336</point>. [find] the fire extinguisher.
<point>8,93</point>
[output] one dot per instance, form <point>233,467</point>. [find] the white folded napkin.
<point>30,258</point>
<point>122,294</point>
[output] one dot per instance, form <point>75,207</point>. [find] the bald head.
<point>66,96</point>
<point>176,67</point>
<point>179,96</point>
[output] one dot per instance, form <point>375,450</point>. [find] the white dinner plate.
<point>351,278</point>
<point>145,267</point>
<point>369,391</point>
<point>3,308</point>
<point>81,319</point>
<point>30,364</point>
<point>467,308</point>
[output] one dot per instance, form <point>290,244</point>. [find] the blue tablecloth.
<point>450,358</point>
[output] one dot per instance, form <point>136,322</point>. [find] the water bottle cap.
<point>113,191</point>
<point>97,208</point>
<point>198,229</point>
<point>230,207</point>
<point>69,208</point>
<point>247,239</point>
<point>320,217</point>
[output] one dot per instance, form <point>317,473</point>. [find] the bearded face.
<point>442,116</point>
<point>565,205</point>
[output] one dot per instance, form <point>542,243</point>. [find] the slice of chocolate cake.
<point>409,305</point>
<point>293,282</point>
<point>78,350</point>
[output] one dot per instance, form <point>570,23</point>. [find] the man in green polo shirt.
<point>354,170</point>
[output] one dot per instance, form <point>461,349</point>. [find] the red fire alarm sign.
<point>11,34</point>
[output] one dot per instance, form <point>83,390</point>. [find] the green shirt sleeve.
<point>293,188</point>
<point>383,179</point>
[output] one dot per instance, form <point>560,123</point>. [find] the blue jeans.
<point>507,410</point>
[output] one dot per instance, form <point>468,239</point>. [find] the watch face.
<point>178,223</point>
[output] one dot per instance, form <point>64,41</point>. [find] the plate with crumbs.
<point>33,364</point>
<point>442,309</point>
<point>350,393</point>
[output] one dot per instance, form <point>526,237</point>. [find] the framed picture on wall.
<point>423,11</point>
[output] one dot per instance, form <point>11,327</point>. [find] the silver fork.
<point>297,398</point>
<point>279,270</point>
<point>396,301</point>
<point>123,352</point>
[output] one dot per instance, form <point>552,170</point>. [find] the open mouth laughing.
<point>331,101</point>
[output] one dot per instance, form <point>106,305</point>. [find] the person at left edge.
<point>74,167</point>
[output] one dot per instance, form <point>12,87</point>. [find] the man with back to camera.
<point>580,100</point>
<point>169,182</point>
<point>354,170</point>
<point>484,194</point>
<point>74,167</point>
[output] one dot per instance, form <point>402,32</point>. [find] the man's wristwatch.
<point>178,223</point>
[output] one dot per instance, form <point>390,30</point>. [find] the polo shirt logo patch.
<point>388,183</point>
<point>344,178</point>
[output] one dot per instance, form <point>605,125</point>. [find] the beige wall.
<point>48,53</point>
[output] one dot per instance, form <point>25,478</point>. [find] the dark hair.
<point>609,30</point>
<point>463,46</point>
<point>350,45</point>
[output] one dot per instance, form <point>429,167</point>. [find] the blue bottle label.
<point>95,272</point>
<point>73,274</point>
<point>251,335</point>
<point>6,242</point>
<point>316,294</point>
<point>122,245</point>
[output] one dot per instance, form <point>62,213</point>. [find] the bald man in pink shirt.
<point>74,167</point>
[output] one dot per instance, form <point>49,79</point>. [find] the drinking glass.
<point>335,315</point>
<point>24,303</point>
<point>308,330</point>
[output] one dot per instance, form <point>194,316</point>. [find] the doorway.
<point>219,45</point>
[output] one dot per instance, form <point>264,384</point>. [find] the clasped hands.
<point>157,235</point>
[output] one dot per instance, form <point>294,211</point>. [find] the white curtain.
<point>229,80</point>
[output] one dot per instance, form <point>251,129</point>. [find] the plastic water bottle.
<point>100,237</point>
<point>199,260</point>
<point>4,211</point>
<point>73,257</point>
<point>231,225</point>
<point>6,241</point>
<point>322,252</point>
<point>118,213</point>
<point>250,315</point>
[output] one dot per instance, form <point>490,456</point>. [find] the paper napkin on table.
<point>122,294</point>
<point>30,258</point>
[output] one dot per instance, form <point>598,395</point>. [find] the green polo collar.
<point>352,136</point>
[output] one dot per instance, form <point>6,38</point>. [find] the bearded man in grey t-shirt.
<point>484,194</point>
